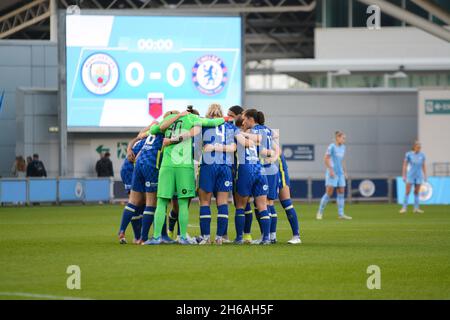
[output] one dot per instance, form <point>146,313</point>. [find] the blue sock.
<point>258,218</point>
<point>172,220</point>
<point>147,220</point>
<point>291,215</point>
<point>127,214</point>
<point>239,220</point>
<point>273,218</point>
<point>265,224</point>
<point>340,199</point>
<point>323,202</point>
<point>205,221</point>
<point>136,222</point>
<point>222,219</point>
<point>416,201</point>
<point>248,219</point>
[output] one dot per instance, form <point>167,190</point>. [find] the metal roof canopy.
<point>273,29</point>
<point>360,65</point>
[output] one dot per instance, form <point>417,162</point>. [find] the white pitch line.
<point>39,296</point>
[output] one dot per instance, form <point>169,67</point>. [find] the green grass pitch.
<point>413,252</point>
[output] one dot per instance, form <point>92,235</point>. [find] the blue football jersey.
<point>336,154</point>
<point>151,150</point>
<point>136,148</point>
<point>266,141</point>
<point>415,162</point>
<point>248,155</point>
<point>223,134</point>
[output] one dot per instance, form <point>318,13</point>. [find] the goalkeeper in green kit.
<point>176,173</point>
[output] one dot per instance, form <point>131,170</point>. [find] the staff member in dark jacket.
<point>104,166</point>
<point>36,168</point>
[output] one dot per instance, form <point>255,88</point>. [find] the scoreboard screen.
<point>126,71</point>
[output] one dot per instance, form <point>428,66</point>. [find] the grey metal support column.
<point>404,7</point>
<point>390,189</point>
<point>350,13</point>
<point>83,201</point>
<point>62,107</point>
<point>53,20</point>
<point>57,191</point>
<point>309,190</point>
<point>27,199</point>
<point>111,190</point>
<point>349,190</point>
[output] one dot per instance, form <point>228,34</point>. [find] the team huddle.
<point>236,154</point>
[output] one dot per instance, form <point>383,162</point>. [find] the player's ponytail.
<point>238,121</point>
<point>261,118</point>
<point>252,113</point>
<point>214,111</point>
<point>191,109</point>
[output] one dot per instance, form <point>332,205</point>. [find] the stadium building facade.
<point>369,83</point>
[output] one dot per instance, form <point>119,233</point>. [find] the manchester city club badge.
<point>209,74</point>
<point>100,73</point>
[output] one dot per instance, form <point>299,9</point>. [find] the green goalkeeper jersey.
<point>181,154</point>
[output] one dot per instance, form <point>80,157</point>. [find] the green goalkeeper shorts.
<point>176,181</point>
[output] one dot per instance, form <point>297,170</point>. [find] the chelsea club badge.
<point>209,74</point>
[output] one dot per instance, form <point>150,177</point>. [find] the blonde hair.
<point>214,111</point>
<point>171,112</point>
<point>416,142</point>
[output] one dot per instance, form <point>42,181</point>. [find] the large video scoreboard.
<point>126,71</point>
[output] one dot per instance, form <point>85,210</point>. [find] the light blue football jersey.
<point>415,162</point>
<point>336,154</point>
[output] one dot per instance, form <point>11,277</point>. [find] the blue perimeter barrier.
<point>21,191</point>
<point>58,190</point>
<point>312,189</point>
<point>436,190</point>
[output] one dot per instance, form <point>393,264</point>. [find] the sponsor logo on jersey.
<point>209,74</point>
<point>100,73</point>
